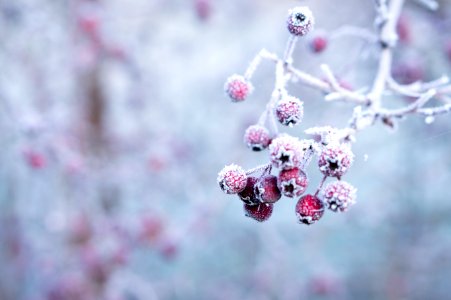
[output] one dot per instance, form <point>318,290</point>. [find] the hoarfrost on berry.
<point>232,179</point>
<point>286,152</point>
<point>335,160</point>
<point>300,20</point>
<point>309,209</point>
<point>339,195</point>
<point>292,182</point>
<point>289,111</point>
<point>257,137</point>
<point>238,88</point>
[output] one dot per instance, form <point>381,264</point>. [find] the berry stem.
<point>320,186</point>
<point>263,168</point>
<point>254,64</point>
<point>288,55</point>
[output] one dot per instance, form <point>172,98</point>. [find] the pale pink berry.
<point>335,160</point>
<point>35,160</point>
<point>248,195</point>
<point>300,20</point>
<point>292,183</point>
<point>309,209</point>
<point>289,111</point>
<point>286,152</point>
<point>257,137</point>
<point>238,88</point>
<point>260,212</point>
<point>318,44</point>
<point>339,195</point>
<point>232,179</point>
<point>267,190</point>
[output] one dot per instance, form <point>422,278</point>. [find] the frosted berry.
<point>267,190</point>
<point>292,182</point>
<point>335,160</point>
<point>339,195</point>
<point>257,137</point>
<point>309,209</point>
<point>300,20</point>
<point>289,111</point>
<point>286,152</point>
<point>238,88</point>
<point>260,212</point>
<point>318,44</point>
<point>248,195</point>
<point>232,179</point>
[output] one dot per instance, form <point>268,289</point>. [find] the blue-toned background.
<point>114,125</point>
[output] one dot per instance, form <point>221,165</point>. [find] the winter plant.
<point>329,147</point>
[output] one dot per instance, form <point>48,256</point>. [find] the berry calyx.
<point>339,195</point>
<point>260,212</point>
<point>335,160</point>
<point>248,195</point>
<point>292,182</point>
<point>289,111</point>
<point>267,190</point>
<point>238,88</point>
<point>309,209</point>
<point>257,137</point>
<point>300,20</point>
<point>286,152</point>
<point>232,179</point>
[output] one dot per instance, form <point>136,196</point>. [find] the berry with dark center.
<point>260,212</point>
<point>232,179</point>
<point>257,137</point>
<point>335,160</point>
<point>339,195</point>
<point>309,209</point>
<point>289,111</point>
<point>300,21</point>
<point>248,195</point>
<point>237,88</point>
<point>267,190</point>
<point>286,152</point>
<point>292,183</point>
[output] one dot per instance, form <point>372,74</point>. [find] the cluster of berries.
<point>290,155</point>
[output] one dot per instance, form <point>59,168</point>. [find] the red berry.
<point>35,160</point>
<point>403,29</point>
<point>300,20</point>
<point>318,44</point>
<point>237,88</point>
<point>292,182</point>
<point>203,9</point>
<point>448,50</point>
<point>289,111</point>
<point>248,195</point>
<point>309,209</point>
<point>335,160</point>
<point>286,152</point>
<point>339,195</point>
<point>257,137</point>
<point>260,212</point>
<point>266,189</point>
<point>232,179</point>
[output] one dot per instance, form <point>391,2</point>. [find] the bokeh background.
<point>114,125</point>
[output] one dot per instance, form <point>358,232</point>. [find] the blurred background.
<point>114,125</point>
